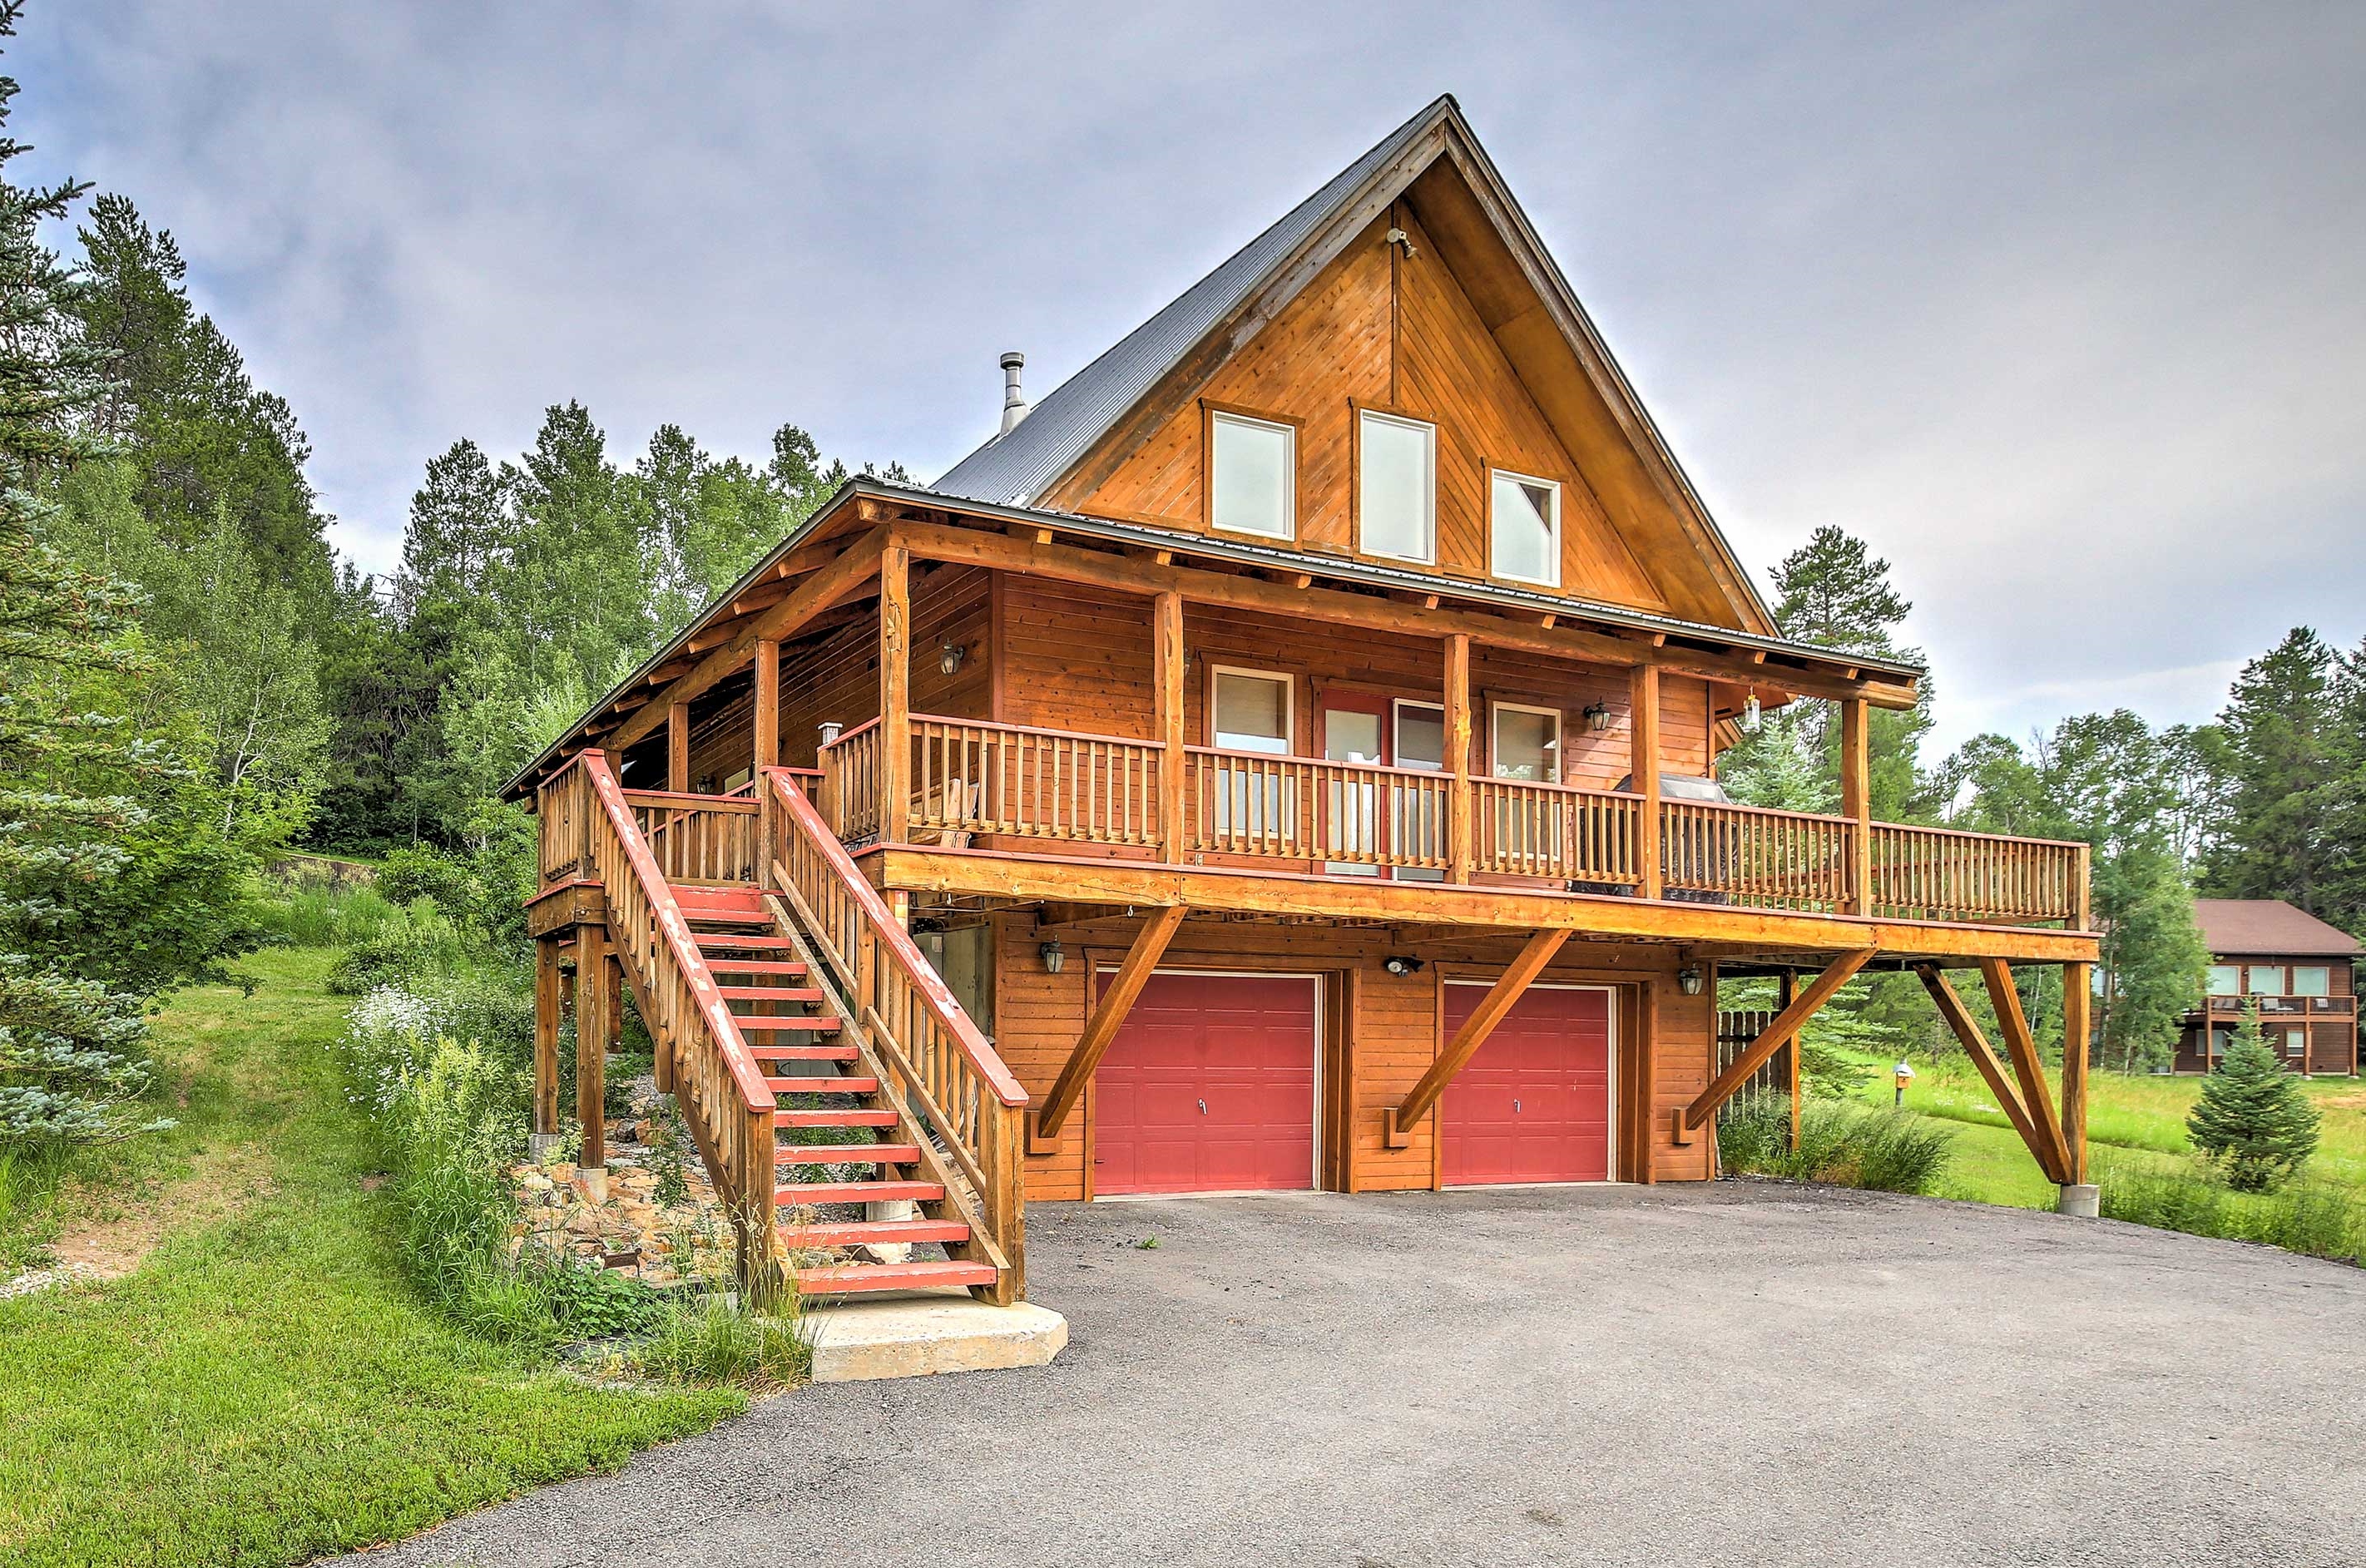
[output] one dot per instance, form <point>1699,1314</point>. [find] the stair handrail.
<point>895,943</point>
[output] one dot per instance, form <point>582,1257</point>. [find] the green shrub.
<point>589,1301</point>
<point>2320,1221</point>
<point>712,1340</point>
<point>2253,1118</point>
<point>330,915</point>
<point>1839,1143</point>
<point>422,941</point>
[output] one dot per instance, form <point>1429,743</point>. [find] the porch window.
<point>2225,979</point>
<point>1526,528</point>
<point>1250,710</point>
<point>1526,743</point>
<point>1253,476</point>
<point>1397,501</point>
<point>2312,980</point>
<point>1420,743</point>
<point>2267,979</point>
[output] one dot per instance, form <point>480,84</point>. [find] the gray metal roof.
<point>1014,468</point>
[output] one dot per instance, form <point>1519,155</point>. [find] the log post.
<point>1643,774</point>
<point>1787,991</point>
<point>546,1043</point>
<point>1459,849</point>
<point>2077,994</point>
<point>678,747</point>
<point>1856,802</point>
<point>1166,616</point>
<point>895,693</point>
<point>595,1005</point>
<point>768,705</point>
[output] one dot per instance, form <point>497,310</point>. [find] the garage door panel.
<point>1533,1103</point>
<point>1244,1047</point>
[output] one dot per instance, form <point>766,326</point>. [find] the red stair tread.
<point>855,1232</point>
<point>757,1024</point>
<point>839,1052</point>
<point>769,992</point>
<point>843,1083</point>
<point>744,940</point>
<point>787,969</point>
<point>856,1116</point>
<point>797,1194</point>
<point>848,1153</point>
<point>843,1278</point>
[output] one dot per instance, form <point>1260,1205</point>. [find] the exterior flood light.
<point>1054,957</point>
<point>1400,966</point>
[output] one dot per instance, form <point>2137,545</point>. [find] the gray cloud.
<point>2061,307</point>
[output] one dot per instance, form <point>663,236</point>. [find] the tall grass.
<point>1840,1142</point>
<point>2308,1217</point>
<point>334,915</point>
<point>714,1341</point>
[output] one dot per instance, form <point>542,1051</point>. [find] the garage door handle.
<point>1203,1108</point>
<point>1516,1108</point>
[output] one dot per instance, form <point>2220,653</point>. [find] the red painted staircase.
<point>829,1122</point>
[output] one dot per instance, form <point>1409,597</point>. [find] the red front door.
<point>1534,1105</point>
<point>1209,1087</point>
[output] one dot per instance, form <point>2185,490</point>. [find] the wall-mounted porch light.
<point>1596,716</point>
<point>1689,979</point>
<point>1054,955</point>
<point>1752,716</point>
<point>949,657</point>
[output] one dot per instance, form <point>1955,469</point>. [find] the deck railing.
<point>698,838</point>
<point>1006,783</point>
<point>716,1079</point>
<point>940,1061</point>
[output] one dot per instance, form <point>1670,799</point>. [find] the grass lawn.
<point>2133,1123</point>
<point>265,1388</point>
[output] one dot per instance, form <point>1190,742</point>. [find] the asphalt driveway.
<point>1742,1373</point>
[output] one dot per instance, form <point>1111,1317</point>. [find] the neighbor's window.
<point>2267,980</point>
<point>1398,501</point>
<point>1526,528</point>
<point>1252,711</point>
<point>2312,980</point>
<point>2225,979</point>
<point>1526,744</point>
<point>1253,480</point>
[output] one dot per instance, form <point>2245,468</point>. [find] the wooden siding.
<point>1392,1032</point>
<point>1076,658</point>
<point>1377,330</point>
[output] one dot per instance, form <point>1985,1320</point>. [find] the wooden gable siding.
<point>1391,1035</point>
<point>1078,658</point>
<point>1380,331</point>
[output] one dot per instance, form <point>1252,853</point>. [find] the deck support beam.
<point>1643,774</point>
<point>895,693</point>
<point>678,747</point>
<point>1499,1001</point>
<point>1967,1030</point>
<point>1100,1029</point>
<point>1167,637</point>
<point>545,1039</point>
<point>1456,718</point>
<point>2077,994</point>
<point>2036,1095</point>
<point>767,705</point>
<point>595,1008</point>
<point>1787,1024</point>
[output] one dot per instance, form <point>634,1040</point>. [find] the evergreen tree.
<point>2279,757</point>
<point>2253,1118</point>
<point>68,1044</point>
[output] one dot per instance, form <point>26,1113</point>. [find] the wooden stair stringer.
<point>960,1196</point>
<point>660,1040</point>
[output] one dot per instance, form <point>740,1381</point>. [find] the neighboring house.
<point>2295,969</point>
<point>1291,743</point>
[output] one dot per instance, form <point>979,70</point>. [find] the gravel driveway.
<point>1743,1374</point>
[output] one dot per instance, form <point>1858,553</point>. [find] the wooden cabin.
<point>1284,758</point>
<point>2298,974</point>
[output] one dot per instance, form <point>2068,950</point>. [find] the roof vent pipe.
<point>1014,405</point>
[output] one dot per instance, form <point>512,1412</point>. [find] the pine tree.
<point>2253,1118</point>
<point>68,1067</point>
<point>2280,736</point>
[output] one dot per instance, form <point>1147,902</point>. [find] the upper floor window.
<point>2312,980</point>
<point>1252,710</point>
<point>1253,476</point>
<point>1398,500</point>
<point>1525,527</point>
<point>2267,979</point>
<point>2225,979</point>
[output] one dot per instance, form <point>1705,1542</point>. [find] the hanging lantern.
<point>1752,716</point>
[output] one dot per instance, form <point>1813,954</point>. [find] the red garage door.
<point>1534,1105</point>
<point>1208,1088</point>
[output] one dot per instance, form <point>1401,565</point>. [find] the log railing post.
<point>768,705</point>
<point>595,1004</point>
<point>545,1039</point>
<point>1643,774</point>
<point>895,693</point>
<point>1167,613</point>
<point>1459,848</point>
<point>1856,802</point>
<point>678,747</point>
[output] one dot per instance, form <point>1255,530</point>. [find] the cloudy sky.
<point>2062,306</point>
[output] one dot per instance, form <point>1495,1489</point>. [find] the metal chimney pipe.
<point>1014,404</point>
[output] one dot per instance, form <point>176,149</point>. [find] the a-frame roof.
<point>1224,309</point>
